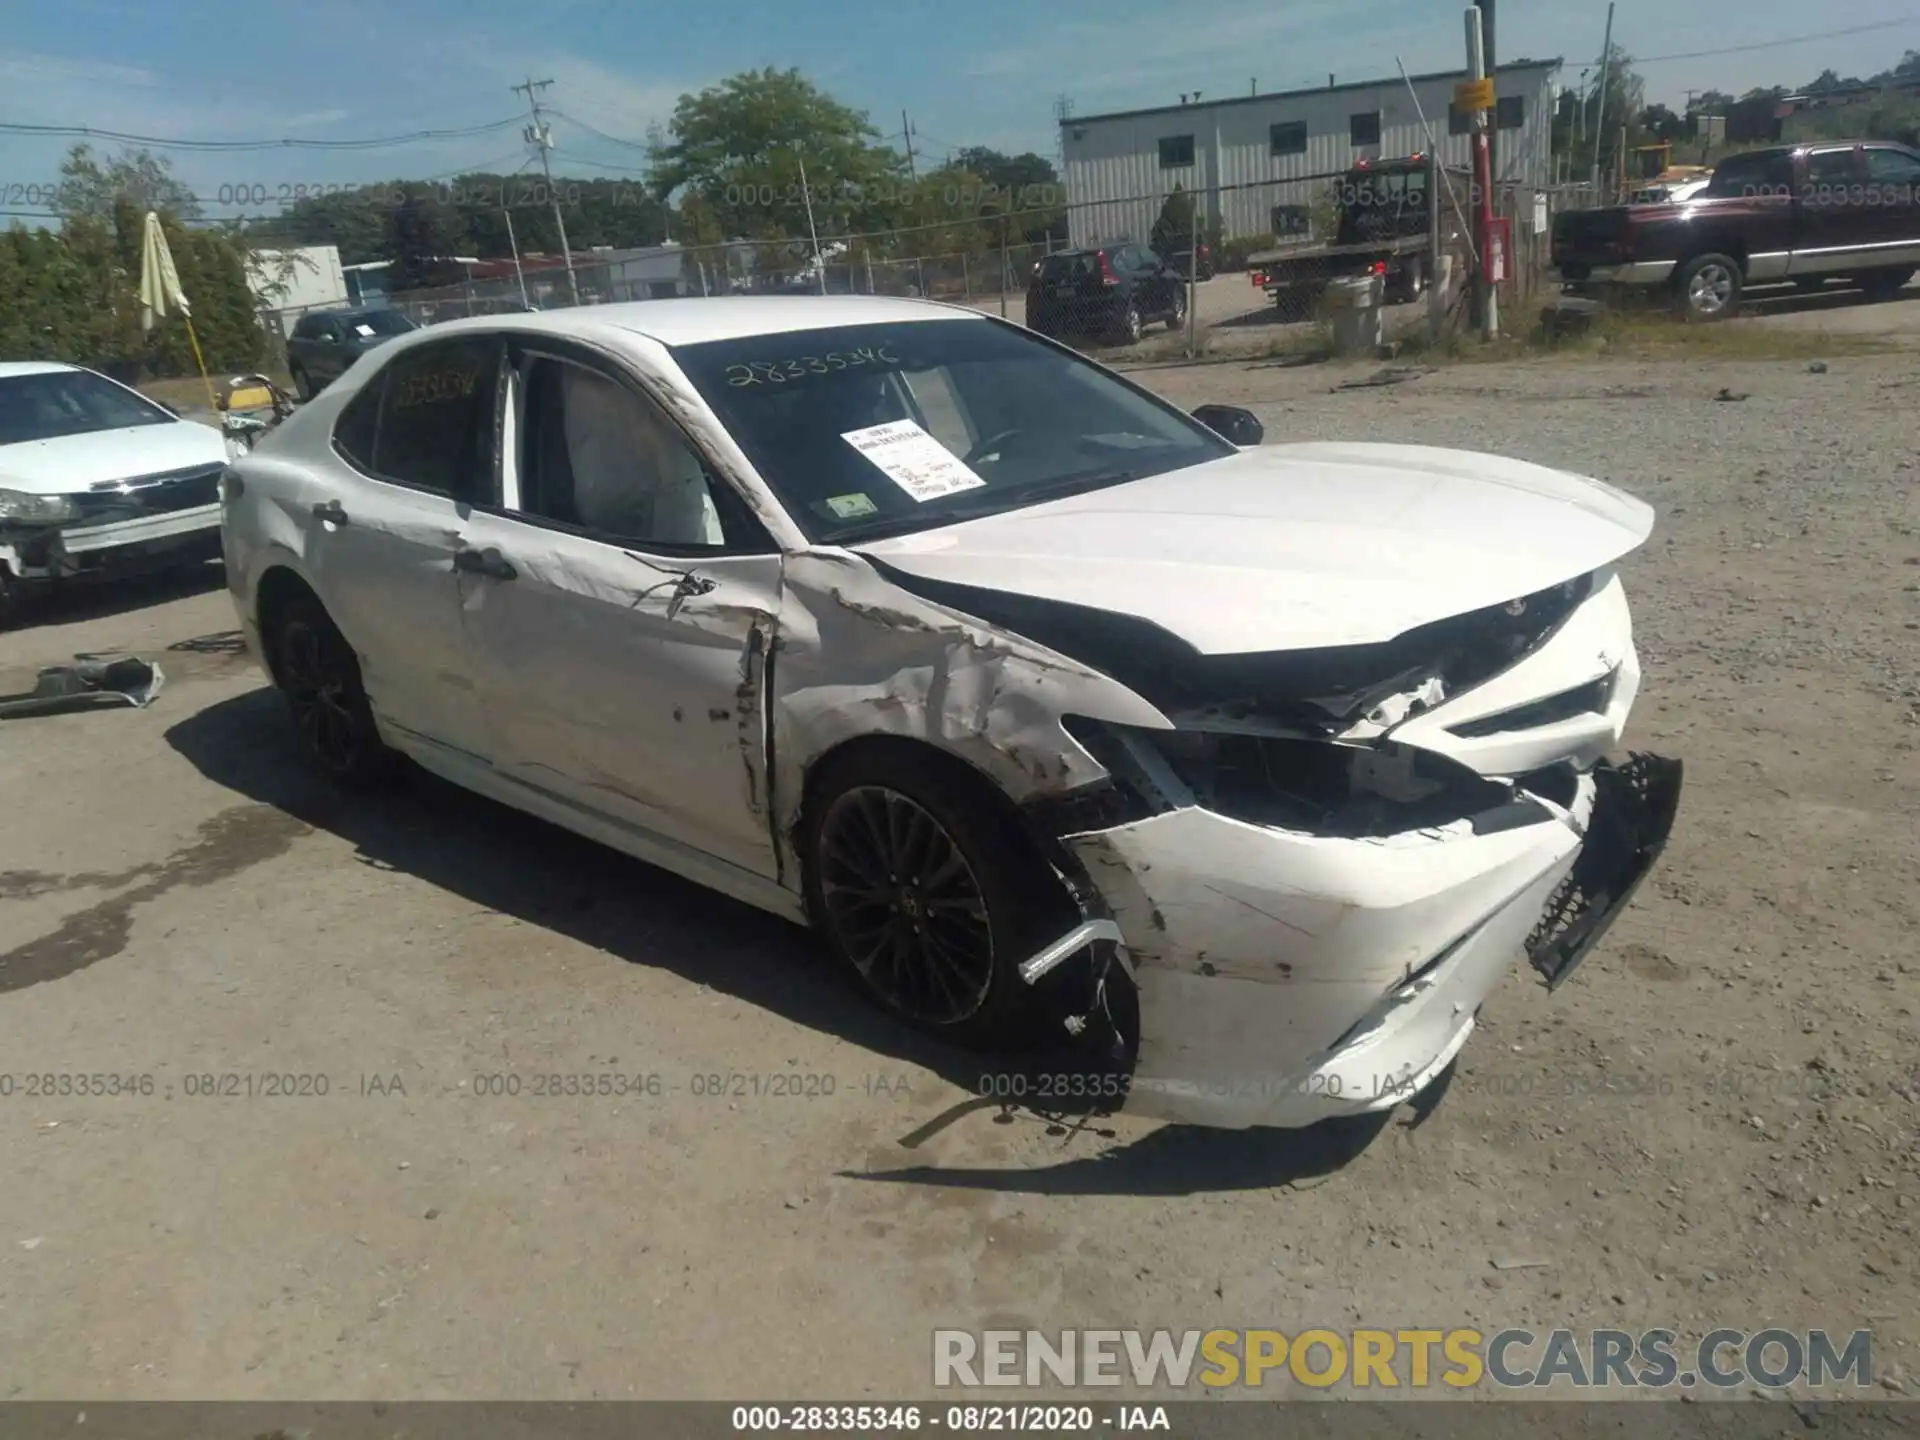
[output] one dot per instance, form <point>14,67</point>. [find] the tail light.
<point>1259,278</point>
<point>1379,267</point>
<point>1107,277</point>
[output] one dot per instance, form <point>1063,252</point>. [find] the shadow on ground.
<point>504,861</point>
<point>72,602</point>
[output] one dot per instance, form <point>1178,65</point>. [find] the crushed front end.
<point>1320,872</point>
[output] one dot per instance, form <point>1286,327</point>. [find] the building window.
<point>1288,138</point>
<point>1510,112</point>
<point>1459,122</point>
<point>1365,127</point>
<point>1176,152</point>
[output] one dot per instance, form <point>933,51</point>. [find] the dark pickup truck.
<point>1803,214</point>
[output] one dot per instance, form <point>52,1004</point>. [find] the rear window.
<point>1069,267</point>
<point>1770,173</point>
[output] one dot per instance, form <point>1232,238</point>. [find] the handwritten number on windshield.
<point>798,367</point>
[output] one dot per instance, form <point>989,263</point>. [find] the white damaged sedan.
<point>1042,701</point>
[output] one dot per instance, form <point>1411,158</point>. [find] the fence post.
<point>966,277</point>
<point>1006,268</point>
<point>1437,276</point>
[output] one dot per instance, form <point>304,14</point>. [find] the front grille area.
<point>1588,699</point>
<point>144,495</point>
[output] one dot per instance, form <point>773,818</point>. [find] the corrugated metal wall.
<point>1116,185</point>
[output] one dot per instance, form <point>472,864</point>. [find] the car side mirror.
<point>1232,423</point>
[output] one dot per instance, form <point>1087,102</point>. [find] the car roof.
<point>697,319</point>
<point>11,368</point>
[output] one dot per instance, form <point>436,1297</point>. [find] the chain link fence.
<point>1268,253</point>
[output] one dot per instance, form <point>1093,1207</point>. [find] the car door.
<point>1893,205</point>
<point>1830,218</point>
<point>617,602</point>
<point>413,449</point>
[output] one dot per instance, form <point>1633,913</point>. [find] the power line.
<point>1775,44</point>
<point>611,139</point>
<point>160,142</point>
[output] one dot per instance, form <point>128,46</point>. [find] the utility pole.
<point>806,195</point>
<point>1493,69</point>
<point>514,245</point>
<point>541,134</point>
<point>1488,304</point>
<point>1600,119</point>
<point>906,134</point>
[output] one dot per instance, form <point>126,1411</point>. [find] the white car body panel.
<point>1284,975</point>
<point>1294,547</point>
<point>70,464</point>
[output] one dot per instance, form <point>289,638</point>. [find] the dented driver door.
<point>624,674</point>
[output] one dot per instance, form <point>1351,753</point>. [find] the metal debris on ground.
<point>1731,395</point>
<point>89,683</point>
<point>1387,375</point>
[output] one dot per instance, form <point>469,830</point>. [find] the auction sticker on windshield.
<point>913,459</point>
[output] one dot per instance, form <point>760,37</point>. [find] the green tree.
<point>1173,231</point>
<point>90,186</point>
<point>741,146</point>
<point>1027,186</point>
<point>423,235</point>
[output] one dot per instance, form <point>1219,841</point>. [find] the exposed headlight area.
<point>18,507</point>
<point>1311,786</point>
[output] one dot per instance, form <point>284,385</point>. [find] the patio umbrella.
<point>160,288</point>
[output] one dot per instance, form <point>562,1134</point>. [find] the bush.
<point>74,296</point>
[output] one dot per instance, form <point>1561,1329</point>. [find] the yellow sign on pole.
<point>1474,95</point>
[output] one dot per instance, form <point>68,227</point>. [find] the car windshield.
<point>873,430</point>
<point>377,322</point>
<point>69,402</point>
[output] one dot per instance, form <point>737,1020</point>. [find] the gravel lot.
<point>1718,1123</point>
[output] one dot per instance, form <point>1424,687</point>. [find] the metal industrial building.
<point>1234,156</point>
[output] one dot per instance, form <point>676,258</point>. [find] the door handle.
<point>330,511</point>
<point>489,562</point>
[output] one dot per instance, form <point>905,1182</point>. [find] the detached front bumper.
<point>1287,978</point>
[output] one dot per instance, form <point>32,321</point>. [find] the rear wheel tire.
<point>1707,288</point>
<point>1884,284</point>
<point>1178,319</point>
<point>1132,324</point>
<point>930,896</point>
<point>302,386</point>
<point>320,676</point>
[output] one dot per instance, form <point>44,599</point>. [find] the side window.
<point>436,416</point>
<point>1894,173</point>
<point>939,408</point>
<point>1830,170</point>
<point>1363,128</point>
<point>353,432</point>
<point>597,456</point>
<point>303,328</point>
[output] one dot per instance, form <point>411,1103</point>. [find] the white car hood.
<point>73,463</point>
<point>1288,547</point>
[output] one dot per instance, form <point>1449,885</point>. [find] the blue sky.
<point>987,72</point>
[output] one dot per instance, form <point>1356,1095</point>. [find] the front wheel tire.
<point>929,895</point>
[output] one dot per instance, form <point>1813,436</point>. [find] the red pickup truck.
<point>1802,214</point>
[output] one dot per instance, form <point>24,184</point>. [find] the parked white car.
<point>1040,699</point>
<point>96,479</point>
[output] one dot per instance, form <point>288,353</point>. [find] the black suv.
<point>325,342</point>
<point>1111,294</point>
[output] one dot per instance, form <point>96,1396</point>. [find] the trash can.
<point>1353,303</point>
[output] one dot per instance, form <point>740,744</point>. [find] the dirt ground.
<point>1716,1123</point>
